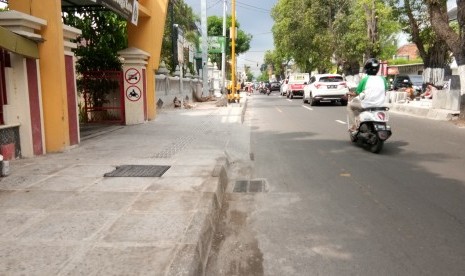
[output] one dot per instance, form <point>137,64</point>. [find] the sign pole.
<point>223,51</point>
<point>203,20</point>
<point>233,49</point>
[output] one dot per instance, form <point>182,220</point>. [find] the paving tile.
<point>20,181</point>
<point>91,170</point>
<point>102,201</point>
<point>169,227</point>
<point>30,200</point>
<point>40,168</point>
<point>32,259</point>
<point>177,184</point>
<point>181,170</point>
<point>128,260</point>
<point>123,184</point>
<point>12,221</point>
<point>67,226</point>
<point>64,183</point>
<point>166,201</point>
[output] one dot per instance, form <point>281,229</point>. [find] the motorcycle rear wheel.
<point>353,138</point>
<point>377,146</point>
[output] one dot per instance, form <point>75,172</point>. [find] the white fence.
<point>168,88</point>
<point>442,99</point>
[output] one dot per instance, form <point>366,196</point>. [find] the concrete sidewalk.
<point>59,215</point>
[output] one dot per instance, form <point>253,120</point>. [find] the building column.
<point>135,88</point>
<point>52,68</point>
<point>148,36</point>
<point>71,33</point>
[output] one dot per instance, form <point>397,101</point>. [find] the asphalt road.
<point>332,208</point>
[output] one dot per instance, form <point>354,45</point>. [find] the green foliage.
<point>263,76</point>
<point>415,20</point>
<point>182,14</point>
<point>404,61</point>
<point>215,28</point>
<point>277,61</point>
<point>103,35</point>
<point>318,33</point>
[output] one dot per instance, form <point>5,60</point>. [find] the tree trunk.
<point>461,71</point>
<point>434,76</point>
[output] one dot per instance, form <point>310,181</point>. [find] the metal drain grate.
<point>250,186</point>
<point>138,171</point>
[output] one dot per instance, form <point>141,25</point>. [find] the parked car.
<point>326,87</point>
<point>275,86</point>
<point>403,81</point>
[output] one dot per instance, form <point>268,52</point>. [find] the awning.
<point>18,44</point>
<point>392,70</point>
<point>125,8</point>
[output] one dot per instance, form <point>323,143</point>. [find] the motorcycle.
<point>372,128</point>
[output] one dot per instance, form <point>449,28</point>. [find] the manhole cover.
<point>138,171</point>
<point>241,186</point>
<point>250,186</point>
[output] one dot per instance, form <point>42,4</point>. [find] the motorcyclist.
<point>370,92</point>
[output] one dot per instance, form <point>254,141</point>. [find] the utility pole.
<point>233,48</point>
<point>223,53</point>
<point>203,7</point>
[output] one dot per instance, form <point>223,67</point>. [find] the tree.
<point>181,14</point>
<point>455,40</point>
<point>414,17</point>
<point>294,33</point>
<point>104,33</point>
<point>278,63</point>
<point>325,33</point>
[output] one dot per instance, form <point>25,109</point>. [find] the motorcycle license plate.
<point>332,86</point>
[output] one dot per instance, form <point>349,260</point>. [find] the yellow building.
<point>37,77</point>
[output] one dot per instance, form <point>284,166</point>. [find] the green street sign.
<point>216,44</point>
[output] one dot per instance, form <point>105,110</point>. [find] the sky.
<point>254,17</point>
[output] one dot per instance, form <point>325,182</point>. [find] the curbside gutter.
<point>192,257</point>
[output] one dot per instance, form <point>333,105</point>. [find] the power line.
<point>263,33</point>
<point>254,61</point>
<point>259,9</point>
<point>214,4</point>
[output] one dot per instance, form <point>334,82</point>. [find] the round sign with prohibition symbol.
<point>133,93</point>
<point>132,76</point>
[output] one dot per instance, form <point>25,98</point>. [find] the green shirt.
<point>361,86</point>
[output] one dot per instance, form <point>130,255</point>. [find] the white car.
<point>326,88</point>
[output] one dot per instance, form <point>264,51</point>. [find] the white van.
<point>296,84</point>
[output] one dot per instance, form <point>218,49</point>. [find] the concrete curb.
<point>425,112</point>
<point>192,257</point>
